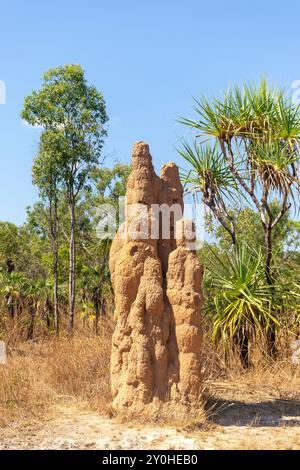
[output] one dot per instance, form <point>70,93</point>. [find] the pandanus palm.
<point>44,299</point>
<point>209,174</point>
<point>13,290</point>
<point>257,129</point>
<point>242,304</point>
<point>95,283</point>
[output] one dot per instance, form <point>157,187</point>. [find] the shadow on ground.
<point>259,414</point>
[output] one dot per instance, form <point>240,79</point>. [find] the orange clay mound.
<point>156,346</point>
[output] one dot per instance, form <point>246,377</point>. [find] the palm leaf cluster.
<point>276,163</point>
<point>241,299</point>
<point>209,171</point>
<point>248,112</point>
<point>258,130</point>
<point>19,294</point>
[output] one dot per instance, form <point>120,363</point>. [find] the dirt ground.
<point>258,423</point>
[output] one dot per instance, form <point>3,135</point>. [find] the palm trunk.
<point>241,339</point>
<point>268,246</point>
<point>244,348</point>
<point>271,335</point>
<point>72,267</point>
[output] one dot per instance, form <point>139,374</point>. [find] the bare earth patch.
<point>273,424</point>
<point>73,427</point>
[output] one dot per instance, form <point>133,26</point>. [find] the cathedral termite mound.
<point>156,345</point>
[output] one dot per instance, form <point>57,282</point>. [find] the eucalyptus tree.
<point>46,175</point>
<point>75,114</point>
<point>257,131</point>
<point>108,187</point>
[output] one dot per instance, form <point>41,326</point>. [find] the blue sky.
<point>148,59</point>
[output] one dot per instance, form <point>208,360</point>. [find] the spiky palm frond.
<point>209,122</point>
<point>248,112</point>
<point>287,120</point>
<point>208,172</point>
<point>275,162</point>
<point>14,284</point>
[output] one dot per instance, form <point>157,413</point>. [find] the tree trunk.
<point>55,292</point>
<point>10,267</point>
<point>54,234</point>
<point>97,315</point>
<point>10,306</point>
<point>32,312</point>
<point>268,246</point>
<point>244,349</point>
<point>271,339</point>
<point>271,334</point>
<point>241,341</point>
<point>48,312</point>
<point>72,267</point>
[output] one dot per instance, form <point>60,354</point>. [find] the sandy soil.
<point>73,427</point>
<point>268,424</point>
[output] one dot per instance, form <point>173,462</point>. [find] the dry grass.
<point>46,372</point>
<point>266,377</point>
<point>173,414</point>
<point>38,374</point>
<point>267,380</point>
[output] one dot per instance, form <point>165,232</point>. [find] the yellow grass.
<point>38,374</point>
<point>48,371</point>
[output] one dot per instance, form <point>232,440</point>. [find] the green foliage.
<point>286,235</point>
<point>9,243</point>
<point>257,129</point>
<point>209,172</point>
<point>259,111</point>
<point>72,115</point>
<point>29,247</point>
<point>110,183</point>
<point>242,299</point>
